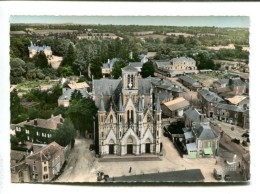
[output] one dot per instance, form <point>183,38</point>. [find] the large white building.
<point>34,50</point>
<point>129,119</point>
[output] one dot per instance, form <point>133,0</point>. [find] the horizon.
<point>177,21</point>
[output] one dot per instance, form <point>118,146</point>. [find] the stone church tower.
<point>129,119</point>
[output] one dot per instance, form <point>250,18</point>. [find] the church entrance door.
<point>147,148</point>
<point>129,148</point>
<point>111,149</point>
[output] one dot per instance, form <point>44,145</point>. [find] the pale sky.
<point>218,21</point>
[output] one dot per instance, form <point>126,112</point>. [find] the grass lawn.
<point>28,85</point>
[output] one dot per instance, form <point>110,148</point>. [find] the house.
<point>163,85</point>
<point>19,169</point>
<point>190,83</point>
<point>177,66</point>
<point>201,141</point>
<point>238,100</point>
<point>229,87</point>
<point>46,162</point>
<point>193,115</point>
<point>37,130</point>
<point>65,98</point>
<point>129,117</point>
<point>34,50</point>
<point>207,100</point>
<point>175,108</point>
<point>229,113</point>
<point>107,68</point>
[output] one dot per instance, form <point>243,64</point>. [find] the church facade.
<point>129,116</point>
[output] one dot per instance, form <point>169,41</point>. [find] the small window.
<point>45,168</point>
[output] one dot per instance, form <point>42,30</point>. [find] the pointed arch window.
<point>111,118</point>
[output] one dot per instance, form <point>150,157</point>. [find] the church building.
<point>129,115</point>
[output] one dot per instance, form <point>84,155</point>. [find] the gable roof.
<point>80,85</point>
<point>210,96</point>
<point>177,104</point>
<point>188,79</point>
<point>236,99</point>
<point>203,131</point>
<point>230,107</point>
<point>193,114</point>
<point>17,155</point>
<point>47,152</point>
<point>51,123</point>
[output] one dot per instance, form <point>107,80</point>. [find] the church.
<point>129,115</point>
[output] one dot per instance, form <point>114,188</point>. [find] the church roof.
<point>129,68</point>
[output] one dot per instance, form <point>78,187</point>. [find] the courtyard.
<point>83,166</point>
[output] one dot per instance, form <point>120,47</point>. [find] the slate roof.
<point>182,59</point>
<point>165,84</point>
<point>177,103</point>
<point>192,114</point>
<point>67,94</point>
<point>47,152</point>
<point>230,107</point>
<point>136,64</point>
<point>222,81</point>
<point>144,85</point>
<point>106,86</point>
<point>110,63</point>
<point>38,48</point>
<point>210,96</point>
<point>129,68</point>
<point>203,131</point>
<point>189,80</point>
<point>191,146</point>
<point>164,95</point>
<point>236,82</point>
<point>193,175</point>
<point>17,155</point>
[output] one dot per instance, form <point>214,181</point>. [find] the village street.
<point>83,166</point>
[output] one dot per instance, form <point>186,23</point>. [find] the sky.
<point>217,21</point>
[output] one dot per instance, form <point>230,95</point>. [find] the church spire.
<point>157,105</point>
<point>140,106</point>
<point>102,107</point>
<point>120,106</point>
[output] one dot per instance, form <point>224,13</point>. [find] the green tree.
<point>147,69</point>
<point>65,133</point>
<point>95,68</point>
<point>15,106</point>
<point>81,113</point>
<point>70,56</point>
<point>181,39</point>
<point>17,70</point>
<point>117,69</point>
<point>41,60</point>
<point>76,95</point>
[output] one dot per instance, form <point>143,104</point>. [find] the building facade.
<point>34,50</point>
<point>129,117</point>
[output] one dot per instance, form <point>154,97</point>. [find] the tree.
<point>65,133</point>
<point>17,70</point>
<point>70,56</point>
<point>41,60</point>
<point>95,68</point>
<point>147,69</point>
<point>15,106</point>
<point>181,39</point>
<point>81,113</point>
<point>117,69</point>
<point>76,95</point>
